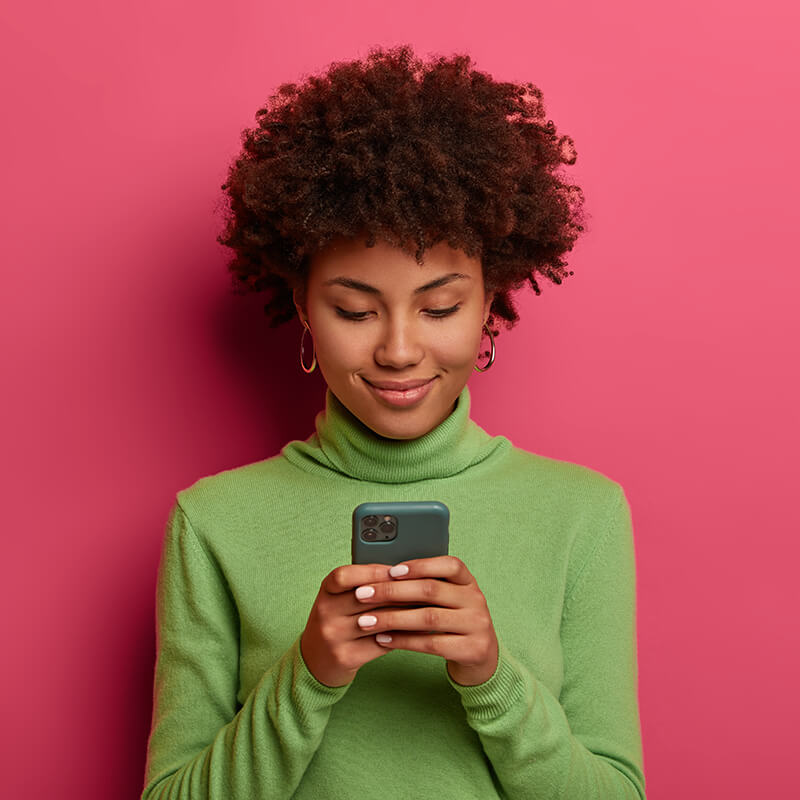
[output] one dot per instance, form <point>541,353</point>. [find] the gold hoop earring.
<point>305,369</point>
<point>491,354</point>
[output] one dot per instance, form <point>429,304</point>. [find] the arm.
<point>586,743</point>
<point>200,745</point>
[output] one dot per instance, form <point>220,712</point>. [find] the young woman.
<point>394,206</point>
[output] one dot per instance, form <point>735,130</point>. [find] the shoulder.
<point>586,511</point>
<point>559,480</point>
<point>236,491</point>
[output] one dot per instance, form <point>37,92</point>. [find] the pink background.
<point>668,361</point>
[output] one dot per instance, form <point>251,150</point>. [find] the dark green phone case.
<point>421,531</point>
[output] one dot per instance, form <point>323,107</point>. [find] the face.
<point>396,341</point>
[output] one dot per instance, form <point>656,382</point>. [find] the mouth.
<point>400,394</point>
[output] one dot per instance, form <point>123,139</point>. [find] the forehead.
<point>387,265</point>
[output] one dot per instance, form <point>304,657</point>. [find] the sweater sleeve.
<point>586,743</point>
<point>201,745</point>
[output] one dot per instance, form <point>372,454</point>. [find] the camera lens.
<point>370,521</point>
<point>386,527</point>
<point>370,535</point>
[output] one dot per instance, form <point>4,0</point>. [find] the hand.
<point>453,608</point>
<point>333,645</point>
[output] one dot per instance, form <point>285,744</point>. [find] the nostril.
<point>398,355</point>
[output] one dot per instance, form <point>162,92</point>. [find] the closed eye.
<point>442,312</point>
<point>354,315</point>
<point>435,313</point>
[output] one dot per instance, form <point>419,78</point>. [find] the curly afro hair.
<point>414,153</point>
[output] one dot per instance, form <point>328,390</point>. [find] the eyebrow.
<point>349,283</point>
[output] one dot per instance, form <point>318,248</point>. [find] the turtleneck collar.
<point>344,444</point>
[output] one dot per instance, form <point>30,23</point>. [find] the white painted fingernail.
<point>383,638</point>
<point>367,620</point>
<point>363,592</point>
<point>398,570</point>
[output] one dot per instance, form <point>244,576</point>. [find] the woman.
<point>394,206</point>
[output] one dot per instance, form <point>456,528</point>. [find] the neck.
<point>344,444</point>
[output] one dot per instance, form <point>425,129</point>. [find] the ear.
<point>298,297</point>
<point>487,306</point>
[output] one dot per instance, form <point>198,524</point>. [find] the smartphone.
<point>388,533</point>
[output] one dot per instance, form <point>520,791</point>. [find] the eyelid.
<point>435,313</point>
<point>353,315</point>
<point>442,312</point>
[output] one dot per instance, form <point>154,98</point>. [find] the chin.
<point>397,423</point>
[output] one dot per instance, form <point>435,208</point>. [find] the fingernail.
<point>363,592</point>
<point>367,620</point>
<point>398,570</point>
<point>383,638</point>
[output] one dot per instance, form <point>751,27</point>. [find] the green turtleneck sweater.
<point>238,716</point>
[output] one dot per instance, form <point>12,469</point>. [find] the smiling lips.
<point>400,394</point>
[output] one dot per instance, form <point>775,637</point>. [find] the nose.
<point>399,345</point>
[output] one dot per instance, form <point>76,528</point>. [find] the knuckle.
<point>487,650</point>
<point>455,564</point>
<point>347,658</point>
<point>337,578</point>
<point>430,589</point>
<point>386,591</point>
<point>434,645</point>
<point>327,630</point>
<point>431,618</point>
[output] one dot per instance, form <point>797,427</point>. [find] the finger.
<point>450,568</point>
<point>447,645</point>
<point>425,591</point>
<point>431,618</point>
<point>352,655</point>
<point>344,627</point>
<point>348,576</point>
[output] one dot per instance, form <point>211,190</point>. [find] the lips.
<point>399,386</point>
<point>400,394</point>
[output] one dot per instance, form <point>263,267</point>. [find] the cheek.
<point>339,347</point>
<point>457,349</point>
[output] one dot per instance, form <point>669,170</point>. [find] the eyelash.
<point>434,313</point>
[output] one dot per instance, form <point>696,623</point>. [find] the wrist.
<point>319,670</point>
<point>474,674</point>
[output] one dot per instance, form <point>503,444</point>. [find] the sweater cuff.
<point>496,695</point>
<point>309,693</point>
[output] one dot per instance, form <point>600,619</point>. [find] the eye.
<point>352,315</point>
<point>438,313</point>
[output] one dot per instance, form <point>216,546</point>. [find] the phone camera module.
<point>386,527</point>
<point>369,522</point>
<point>370,535</point>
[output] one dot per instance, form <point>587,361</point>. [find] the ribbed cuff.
<point>309,693</point>
<point>498,694</point>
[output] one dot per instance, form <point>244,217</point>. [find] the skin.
<point>401,334</point>
<point>376,315</point>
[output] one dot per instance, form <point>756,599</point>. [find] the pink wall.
<point>668,361</point>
